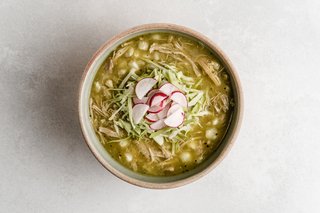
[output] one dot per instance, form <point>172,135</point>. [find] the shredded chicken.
<point>201,61</point>
<point>107,93</point>
<point>198,56</point>
<point>166,50</point>
<point>134,166</point>
<point>158,151</point>
<point>168,162</point>
<point>105,107</point>
<point>102,138</point>
<point>109,66</point>
<point>221,102</point>
<point>151,151</point>
<point>120,52</point>
<point>111,111</point>
<point>126,44</point>
<point>143,149</point>
<point>184,143</point>
<point>179,47</point>
<point>108,132</point>
<point>97,109</point>
<point>151,155</point>
<point>166,153</point>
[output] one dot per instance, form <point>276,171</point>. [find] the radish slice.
<point>163,113</point>
<point>168,88</point>
<point>143,86</point>
<point>138,101</point>
<point>173,108</point>
<point>173,103</point>
<point>159,107</point>
<point>175,120</point>
<point>138,112</point>
<point>164,102</point>
<point>157,99</point>
<point>151,93</point>
<point>158,125</point>
<point>155,109</point>
<point>152,117</point>
<point>179,98</point>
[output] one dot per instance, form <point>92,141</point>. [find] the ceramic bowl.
<point>102,155</point>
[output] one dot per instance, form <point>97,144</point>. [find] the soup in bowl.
<point>160,105</point>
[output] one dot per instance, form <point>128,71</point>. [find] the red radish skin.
<point>168,89</point>
<point>144,100</point>
<point>179,98</point>
<point>175,120</point>
<point>157,99</point>
<point>152,117</point>
<point>138,111</point>
<point>158,125</point>
<point>143,86</point>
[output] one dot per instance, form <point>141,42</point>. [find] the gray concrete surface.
<point>45,165</point>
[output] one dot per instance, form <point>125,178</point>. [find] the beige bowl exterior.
<point>125,174</point>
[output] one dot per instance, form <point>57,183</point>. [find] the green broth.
<point>142,154</point>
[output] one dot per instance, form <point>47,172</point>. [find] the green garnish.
<point>161,72</point>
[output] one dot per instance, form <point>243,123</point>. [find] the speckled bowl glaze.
<point>103,156</point>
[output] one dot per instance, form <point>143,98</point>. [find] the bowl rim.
<point>238,121</point>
